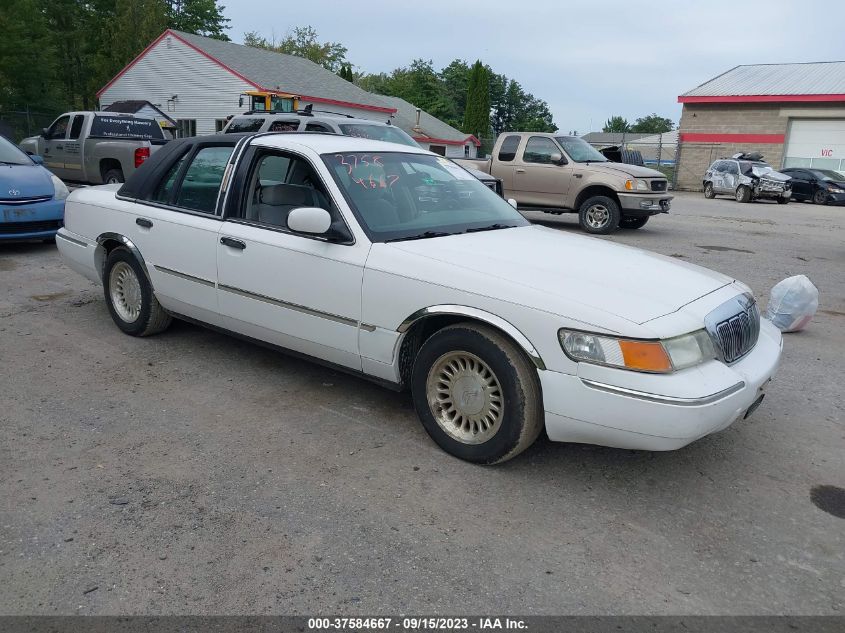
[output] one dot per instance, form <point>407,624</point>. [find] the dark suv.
<point>746,177</point>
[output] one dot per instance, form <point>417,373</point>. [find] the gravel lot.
<point>194,473</point>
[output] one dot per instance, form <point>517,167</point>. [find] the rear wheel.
<point>708,191</point>
<point>820,197</point>
<point>129,296</point>
<point>113,176</point>
<point>743,194</point>
<point>599,215</point>
<point>477,394</point>
<point>630,222</point>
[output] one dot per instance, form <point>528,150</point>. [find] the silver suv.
<point>309,120</point>
<point>746,177</point>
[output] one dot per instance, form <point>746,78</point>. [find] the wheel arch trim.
<point>478,315</point>
<point>100,253</point>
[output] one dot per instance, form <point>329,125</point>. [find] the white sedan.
<point>397,265</point>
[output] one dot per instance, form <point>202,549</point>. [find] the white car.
<point>395,264</point>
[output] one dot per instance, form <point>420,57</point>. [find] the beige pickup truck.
<point>564,174</point>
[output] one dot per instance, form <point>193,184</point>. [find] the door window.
<point>731,168</point>
<point>539,149</point>
<point>283,126</point>
<point>507,152</point>
<point>280,183</point>
<point>202,179</point>
<point>59,128</point>
<point>317,127</point>
<point>164,191</point>
<point>76,127</point>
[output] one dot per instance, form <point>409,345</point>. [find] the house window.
<point>438,149</point>
<point>466,150</point>
<point>186,127</point>
<point>219,124</point>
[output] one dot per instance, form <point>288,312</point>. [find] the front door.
<point>54,147</point>
<point>801,187</point>
<point>297,291</point>
<point>72,154</point>
<point>538,177</point>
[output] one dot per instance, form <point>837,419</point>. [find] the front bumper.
<point>39,220</point>
<point>772,194</point>
<point>673,411</point>
<point>644,203</point>
<point>835,199</point>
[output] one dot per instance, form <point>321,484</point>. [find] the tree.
<point>202,17</point>
<point>477,112</point>
<point>652,124</point>
<point>346,73</point>
<point>303,42</point>
<point>616,124</point>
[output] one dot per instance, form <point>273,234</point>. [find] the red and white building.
<point>793,114</point>
<point>197,81</point>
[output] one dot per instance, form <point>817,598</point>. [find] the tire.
<point>599,215</point>
<point>782,200</point>
<point>500,411</point>
<point>819,197</point>
<point>743,194</point>
<point>708,191</point>
<point>630,222</point>
<point>113,176</point>
<point>130,298</point>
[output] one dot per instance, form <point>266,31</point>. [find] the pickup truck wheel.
<point>708,191</point>
<point>130,298</point>
<point>630,222</point>
<point>477,394</point>
<point>599,215</point>
<point>113,176</point>
<point>743,194</point>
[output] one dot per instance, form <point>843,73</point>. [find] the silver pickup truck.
<point>96,147</point>
<point>555,173</point>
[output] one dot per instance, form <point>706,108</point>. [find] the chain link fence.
<point>18,124</point>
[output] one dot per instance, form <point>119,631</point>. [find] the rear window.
<point>126,127</point>
<point>244,124</point>
<point>507,152</point>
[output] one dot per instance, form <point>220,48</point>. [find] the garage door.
<point>818,143</point>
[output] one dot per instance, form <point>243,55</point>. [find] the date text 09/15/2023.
<point>415,624</point>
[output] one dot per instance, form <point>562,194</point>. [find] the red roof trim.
<point>762,98</point>
<point>443,141</point>
<point>359,106</point>
<point>732,138</point>
<point>348,104</point>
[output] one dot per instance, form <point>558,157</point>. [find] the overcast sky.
<point>588,59</point>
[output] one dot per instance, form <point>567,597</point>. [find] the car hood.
<point>558,272</point>
<point>29,181</point>
<point>771,175</point>
<point>632,170</point>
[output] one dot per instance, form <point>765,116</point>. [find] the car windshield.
<point>388,133</point>
<point>828,174</point>
<point>399,196</point>
<point>580,150</point>
<point>11,155</point>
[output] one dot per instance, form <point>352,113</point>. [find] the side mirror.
<point>45,132</point>
<point>512,202</point>
<point>556,158</point>
<point>313,220</point>
<point>38,160</point>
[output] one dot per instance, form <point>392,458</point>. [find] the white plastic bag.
<point>792,303</point>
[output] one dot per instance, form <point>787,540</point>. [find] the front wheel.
<point>820,197</point>
<point>782,200</point>
<point>129,296</point>
<point>743,194</point>
<point>708,191</point>
<point>477,394</point>
<point>599,215</point>
<point>630,222</point>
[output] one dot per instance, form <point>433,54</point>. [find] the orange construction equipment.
<point>270,101</point>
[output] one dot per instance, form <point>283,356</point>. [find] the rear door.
<point>502,164</point>
<point>539,180</point>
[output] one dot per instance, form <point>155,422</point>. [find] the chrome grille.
<point>734,328</point>
<point>32,200</point>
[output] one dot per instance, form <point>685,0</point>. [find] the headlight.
<point>835,190</point>
<point>637,184</point>
<point>61,192</point>
<point>650,356</point>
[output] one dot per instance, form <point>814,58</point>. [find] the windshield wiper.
<point>421,236</point>
<point>491,227</point>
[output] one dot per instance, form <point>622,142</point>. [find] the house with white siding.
<point>197,81</point>
<point>430,132</point>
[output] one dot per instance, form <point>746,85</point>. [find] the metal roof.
<point>611,138</point>
<point>277,71</point>
<point>812,78</point>
<point>430,126</point>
